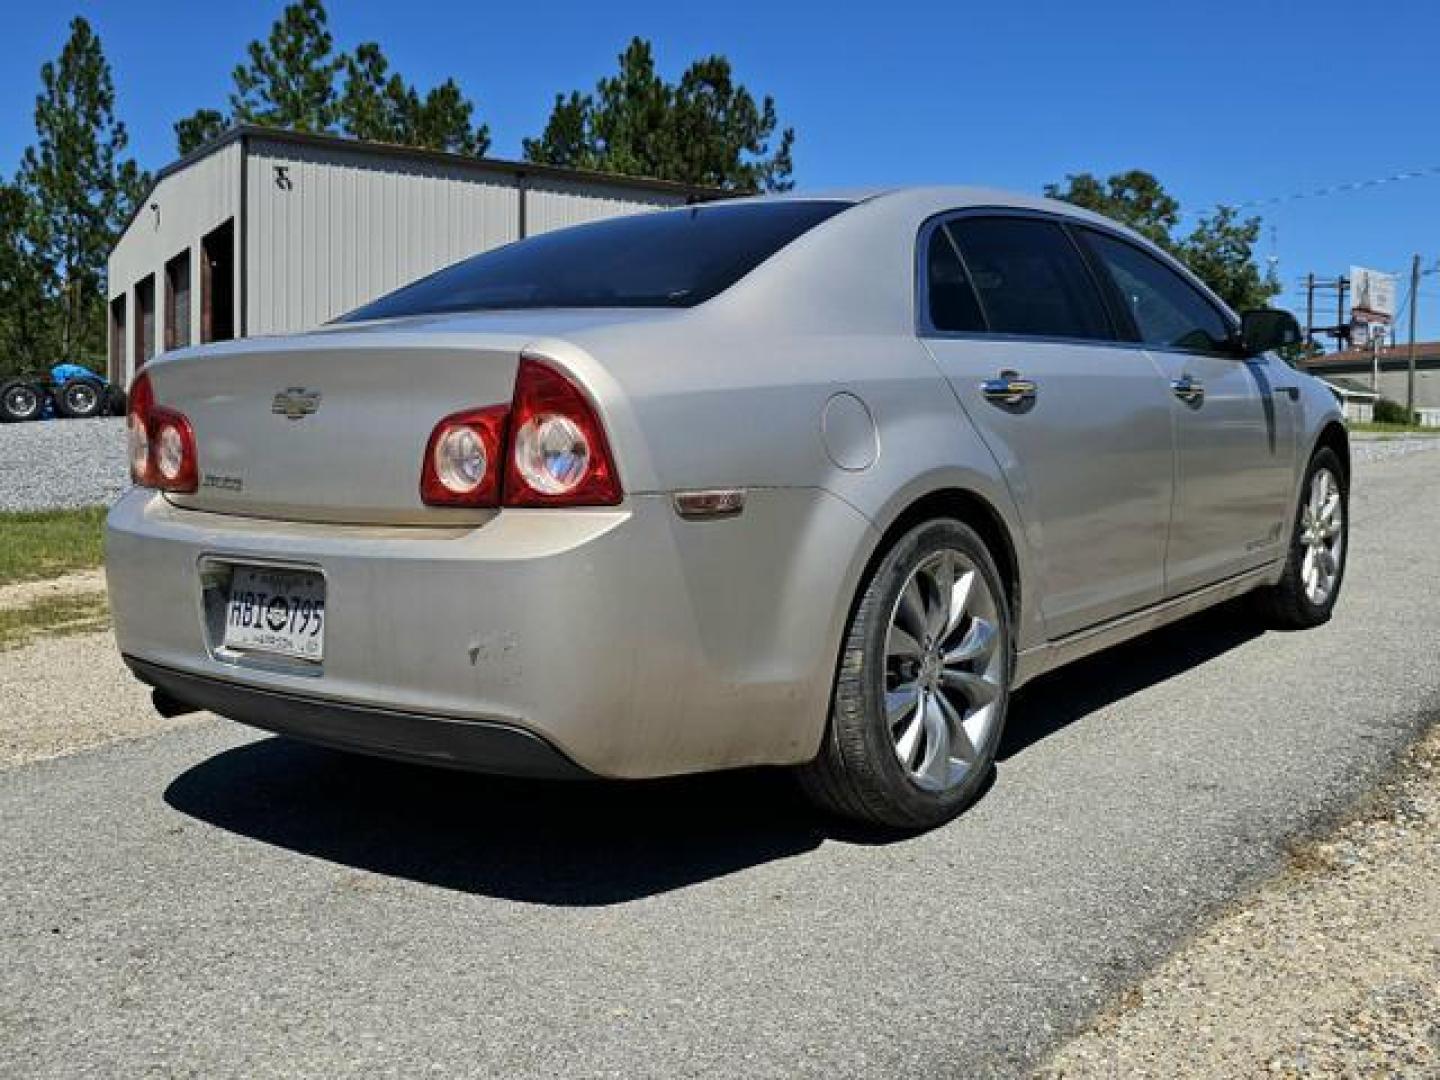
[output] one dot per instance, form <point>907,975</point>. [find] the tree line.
<point>75,187</point>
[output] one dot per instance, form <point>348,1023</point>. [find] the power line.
<point>1329,189</point>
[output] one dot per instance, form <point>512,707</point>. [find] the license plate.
<point>276,611</point>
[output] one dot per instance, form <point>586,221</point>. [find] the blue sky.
<point>1225,102</point>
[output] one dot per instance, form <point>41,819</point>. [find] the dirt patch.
<point>24,593</point>
<point>61,695</point>
<point>1333,969</point>
<point>57,616</point>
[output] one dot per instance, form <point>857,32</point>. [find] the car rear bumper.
<point>481,745</point>
<point>629,641</point>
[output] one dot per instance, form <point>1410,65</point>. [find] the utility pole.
<point>1342,328</point>
<point>1310,308</point>
<point>1410,363</point>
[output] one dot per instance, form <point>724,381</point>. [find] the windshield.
<point>671,258</point>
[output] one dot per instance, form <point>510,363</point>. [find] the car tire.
<point>922,685</point>
<point>80,399</point>
<point>1307,590</point>
<point>115,401</point>
<point>21,400</point>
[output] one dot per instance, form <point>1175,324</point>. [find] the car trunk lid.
<point>329,426</point>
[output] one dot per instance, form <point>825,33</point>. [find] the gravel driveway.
<point>58,464</point>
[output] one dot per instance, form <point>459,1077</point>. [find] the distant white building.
<point>267,232</point>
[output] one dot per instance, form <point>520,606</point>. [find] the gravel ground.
<point>1333,969</point>
<point>59,464</point>
<point>1386,447</point>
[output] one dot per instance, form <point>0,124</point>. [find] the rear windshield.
<point>671,258</point>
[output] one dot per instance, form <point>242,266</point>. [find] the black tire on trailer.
<point>20,400</point>
<point>115,400</point>
<point>80,399</point>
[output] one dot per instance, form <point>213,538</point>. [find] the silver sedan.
<point>803,481</point>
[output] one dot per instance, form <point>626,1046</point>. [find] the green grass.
<point>51,616</point>
<point>48,543</point>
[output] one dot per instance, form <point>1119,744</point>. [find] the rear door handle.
<point>1188,389</point>
<point>1009,389</point>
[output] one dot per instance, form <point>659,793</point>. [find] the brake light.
<point>546,448</point>
<point>463,459</point>
<point>559,455</point>
<point>137,430</point>
<point>160,443</point>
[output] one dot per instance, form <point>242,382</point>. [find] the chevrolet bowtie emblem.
<point>295,402</point>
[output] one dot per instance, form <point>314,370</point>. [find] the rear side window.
<point>1168,311</point>
<point>1030,278</point>
<point>952,300</point>
<point>671,258</point>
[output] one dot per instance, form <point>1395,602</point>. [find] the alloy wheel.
<point>1322,535</point>
<point>944,670</point>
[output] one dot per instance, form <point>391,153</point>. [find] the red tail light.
<point>463,460</point>
<point>559,455</point>
<point>161,443</point>
<point>546,448</point>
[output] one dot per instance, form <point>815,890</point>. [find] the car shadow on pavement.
<point>1055,701</point>
<point>589,844</point>
<point>571,843</point>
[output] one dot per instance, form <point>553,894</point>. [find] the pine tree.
<point>80,191</point>
<point>296,81</point>
<point>379,105</point>
<point>289,81</point>
<point>24,283</point>
<point>705,129</point>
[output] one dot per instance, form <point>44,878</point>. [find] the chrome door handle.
<point>1009,389</point>
<point>1188,389</point>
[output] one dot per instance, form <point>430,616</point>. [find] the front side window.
<point>669,258</point>
<point>1030,278</point>
<point>1168,311</point>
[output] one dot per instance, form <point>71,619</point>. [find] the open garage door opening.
<point>144,321</point>
<point>117,341</point>
<point>217,284</point>
<point>177,301</point>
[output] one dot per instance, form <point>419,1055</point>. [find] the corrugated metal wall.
<point>187,205</point>
<point>324,227</point>
<point>328,230</point>
<point>554,204</point>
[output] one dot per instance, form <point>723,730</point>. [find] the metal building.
<point>267,232</point>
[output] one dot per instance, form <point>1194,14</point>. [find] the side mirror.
<point>1265,329</point>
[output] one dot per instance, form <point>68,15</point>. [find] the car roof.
<point>927,199</point>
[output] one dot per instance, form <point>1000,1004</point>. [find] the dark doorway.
<point>177,301</point>
<point>144,320</point>
<point>116,373</point>
<point>217,284</point>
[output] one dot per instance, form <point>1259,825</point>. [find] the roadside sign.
<point>1372,295</point>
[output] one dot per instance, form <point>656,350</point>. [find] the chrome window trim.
<point>1068,223</point>
<point>1187,277</point>
<point>925,329</point>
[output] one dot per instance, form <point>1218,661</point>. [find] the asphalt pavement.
<point>211,902</point>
